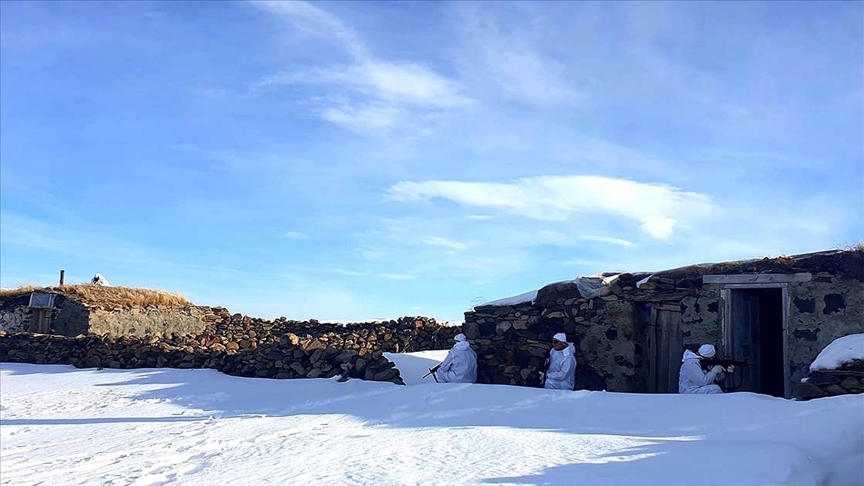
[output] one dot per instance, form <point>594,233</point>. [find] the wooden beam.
<point>757,278</point>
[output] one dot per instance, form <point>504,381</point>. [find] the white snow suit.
<point>691,378</point>
<point>562,369</point>
<point>460,366</point>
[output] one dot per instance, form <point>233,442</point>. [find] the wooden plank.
<point>757,278</point>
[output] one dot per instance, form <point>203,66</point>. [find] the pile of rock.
<point>285,358</point>
<point>845,380</point>
<point>407,334</point>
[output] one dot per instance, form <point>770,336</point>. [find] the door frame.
<point>726,325</point>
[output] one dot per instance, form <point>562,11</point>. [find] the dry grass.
<point>113,297</point>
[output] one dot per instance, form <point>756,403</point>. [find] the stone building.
<point>61,311</point>
<point>631,329</point>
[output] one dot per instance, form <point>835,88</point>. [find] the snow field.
<point>61,425</point>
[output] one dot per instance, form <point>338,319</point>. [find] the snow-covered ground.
<point>841,351</point>
<point>60,425</point>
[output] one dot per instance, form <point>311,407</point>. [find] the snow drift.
<point>841,351</point>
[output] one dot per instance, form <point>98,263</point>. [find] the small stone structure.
<point>71,317</point>
<point>630,334</point>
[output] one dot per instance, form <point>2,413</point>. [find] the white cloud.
<point>607,239</point>
<point>312,20</point>
<point>370,94</point>
<point>296,235</point>
<point>658,208</point>
<point>397,276</point>
<point>444,242</point>
<point>511,61</point>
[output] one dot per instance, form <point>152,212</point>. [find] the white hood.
<point>690,355</point>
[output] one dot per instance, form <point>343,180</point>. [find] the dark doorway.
<point>757,338</point>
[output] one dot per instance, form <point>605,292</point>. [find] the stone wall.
<point>848,379</point>
<point>407,334</point>
<point>70,318</point>
<point>145,321</point>
<point>513,341</point>
<point>822,310</point>
<point>282,359</point>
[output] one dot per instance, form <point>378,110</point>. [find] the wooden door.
<point>666,347</point>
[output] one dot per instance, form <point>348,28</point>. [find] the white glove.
<point>717,370</point>
<point>731,369</point>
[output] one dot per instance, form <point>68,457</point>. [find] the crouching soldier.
<point>460,366</point>
<point>561,374</point>
<point>692,379</point>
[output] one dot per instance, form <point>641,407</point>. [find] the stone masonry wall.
<point>846,380</point>
<point>407,334</point>
<point>146,321</point>
<point>280,360</point>
<point>822,310</point>
<point>513,341</point>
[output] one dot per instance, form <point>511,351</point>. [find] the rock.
<point>823,379</point>
<point>807,391</point>
<point>346,357</point>
<point>386,375</point>
<point>360,364</point>
<point>316,355</point>
<point>314,374</point>
<point>835,390</point>
<point>850,383</point>
<point>292,339</point>
<point>232,346</point>
<point>502,327</point>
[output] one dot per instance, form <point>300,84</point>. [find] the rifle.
<point>432,372</point>
<point>543,371</point>
<point>708,363</point>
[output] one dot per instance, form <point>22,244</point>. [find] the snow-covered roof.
<point>841,351</point>
<point>515,300</point>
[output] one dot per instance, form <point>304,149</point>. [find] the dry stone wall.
<point>234,344</point>
<point>513,341</point>
<point>407,334</point>
<point>846,380</point>
<point>281,359</point>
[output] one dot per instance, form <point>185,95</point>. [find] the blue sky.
<point>349,161</point>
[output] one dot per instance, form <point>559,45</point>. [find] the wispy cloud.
<point>397,276</point>
<point>444,242</point>
<point>296,235</point>
<point>369,94</point>
<point>658,208</point>
<point>508,59</point>
<point>608,240</point>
